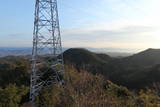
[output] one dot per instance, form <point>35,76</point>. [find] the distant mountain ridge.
<point>5,51</point>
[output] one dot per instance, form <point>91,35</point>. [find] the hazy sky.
<point>130,24</point>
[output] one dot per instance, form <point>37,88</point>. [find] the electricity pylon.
<point>47,58</point>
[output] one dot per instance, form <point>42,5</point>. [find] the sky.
<point>120,24</point>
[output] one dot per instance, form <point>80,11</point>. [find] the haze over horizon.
<point>117,24</point>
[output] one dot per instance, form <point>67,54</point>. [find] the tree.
<point>11,95</point>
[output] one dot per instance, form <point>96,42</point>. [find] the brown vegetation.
<point>83,89</point>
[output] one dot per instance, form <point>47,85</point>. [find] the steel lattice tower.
<point>46,42</point>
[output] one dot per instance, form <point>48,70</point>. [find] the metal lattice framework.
<point>46,42</point>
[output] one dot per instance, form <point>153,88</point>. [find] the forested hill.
<point>149,57</point>
<point>83,56</point>
<point>136,71</point>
